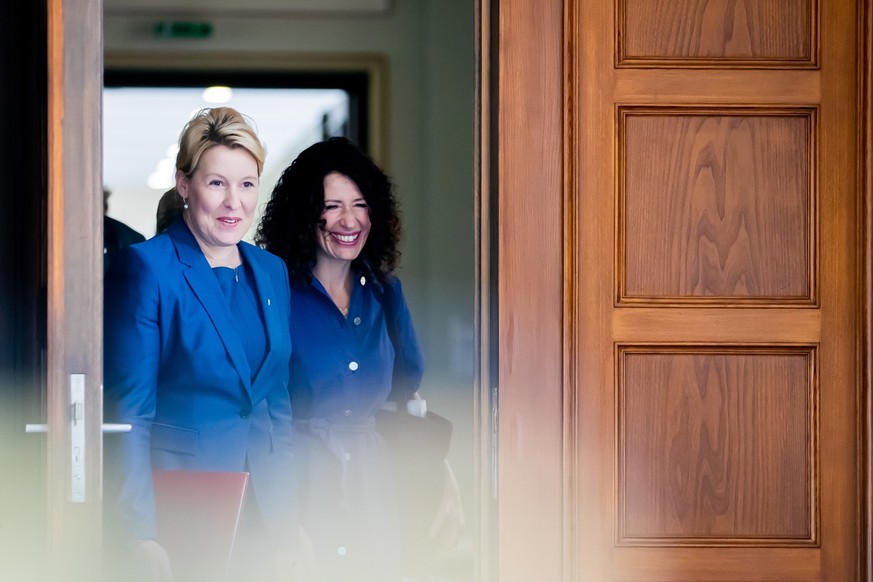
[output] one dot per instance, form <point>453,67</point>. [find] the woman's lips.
<point>345,239</point>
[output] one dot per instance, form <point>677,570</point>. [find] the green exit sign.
<point>182,29</point>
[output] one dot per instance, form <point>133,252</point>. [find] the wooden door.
<point>50,512</point>
<point>681,299</point>
<point>74,363</point>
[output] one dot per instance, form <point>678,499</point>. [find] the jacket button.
<point>357,321</point>
<point>353,366</point>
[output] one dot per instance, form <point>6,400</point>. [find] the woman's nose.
<point>347,216</point>
<point>232,198</point>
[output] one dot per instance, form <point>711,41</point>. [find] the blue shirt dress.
<point>342,370</point>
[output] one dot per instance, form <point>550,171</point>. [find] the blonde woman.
<point>197,345</point>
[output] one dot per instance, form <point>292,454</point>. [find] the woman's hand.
<point>152,562</point>
<point>449,519</point>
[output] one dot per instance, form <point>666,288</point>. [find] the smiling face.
<point>222,194</point>
<point>346,219</point>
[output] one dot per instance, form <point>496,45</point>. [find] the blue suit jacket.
<point>175,368</point>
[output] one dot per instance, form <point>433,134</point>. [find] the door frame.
<point>505,176</point>
<point>865,285</point>
<point>523,180</point>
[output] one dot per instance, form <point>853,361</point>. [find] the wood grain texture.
<point>820,317</point>
<point>716,445</point>
<point>818,95</point>
<point>717,87</point>
<point>591,135</point>
<point>769,33</point>
<point>840,240</point>
<point>732,565</point>
<point>717,205</point>
<point>865,307</point>
<point>75,274</point>
<point>717,325</point>
<point>530,289</point>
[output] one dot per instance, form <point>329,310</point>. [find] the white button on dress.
<point>353,366</point>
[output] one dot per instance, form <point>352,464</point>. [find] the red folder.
<point>198,515</point>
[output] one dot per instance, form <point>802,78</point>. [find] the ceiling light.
<point>160,181</point>
<point>217,94</point>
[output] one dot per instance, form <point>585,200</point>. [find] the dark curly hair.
<point>288,226</point>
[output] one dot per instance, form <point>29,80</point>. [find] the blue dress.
<point>342,370</point>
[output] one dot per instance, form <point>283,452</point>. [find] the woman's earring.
<point>185,203</point>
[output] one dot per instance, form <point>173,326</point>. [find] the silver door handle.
<point>108,427</point>
<point>77,436</point>
<point>115,427</point>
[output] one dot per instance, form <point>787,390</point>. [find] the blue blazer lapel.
<point>202,281</point>
<point>266,297</point>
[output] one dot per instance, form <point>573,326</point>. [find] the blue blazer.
<point>175,368</point>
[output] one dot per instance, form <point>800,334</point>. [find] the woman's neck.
<point>336,278</point>
<point>222,256</point>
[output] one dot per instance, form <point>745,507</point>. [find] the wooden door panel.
<point>733,565</point>
<point>717,32</point>
<point>716,446</point>
<point>716,205</point>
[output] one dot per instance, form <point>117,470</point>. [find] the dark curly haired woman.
<point>333,218</point>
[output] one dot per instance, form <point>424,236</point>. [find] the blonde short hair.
<point>217,126</point>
